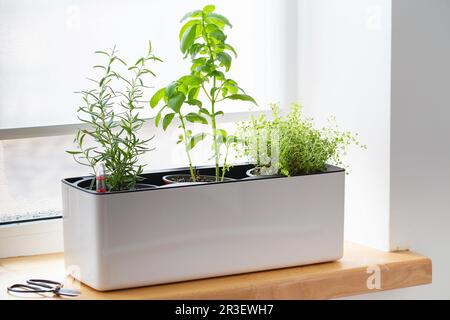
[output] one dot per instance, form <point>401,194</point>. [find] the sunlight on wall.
<point>344,70</point>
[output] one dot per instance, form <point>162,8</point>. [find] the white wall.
<point>398,98</point>
<point>420,153</point>
<point>420,131</point>
<point>344,70</point>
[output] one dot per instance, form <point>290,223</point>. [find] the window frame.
<point>68,129</point>
<point>31,238</point>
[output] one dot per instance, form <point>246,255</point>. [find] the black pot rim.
<point>167,180</point>
<point>141,185</point>
<point>249,173</point>
<point>237,173</point>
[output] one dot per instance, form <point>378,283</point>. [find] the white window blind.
<point>47,50</point>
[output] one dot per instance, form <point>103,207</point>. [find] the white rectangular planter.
<point>144,237</point>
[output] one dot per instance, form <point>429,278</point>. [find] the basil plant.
<point>195,97</point>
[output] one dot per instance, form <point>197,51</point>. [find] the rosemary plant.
<point>113,120</point>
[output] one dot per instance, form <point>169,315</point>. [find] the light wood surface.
<point>348,276</point>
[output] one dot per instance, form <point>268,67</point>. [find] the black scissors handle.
<point>27,288</point>
<point>54,285</point>
<point>43,286</point>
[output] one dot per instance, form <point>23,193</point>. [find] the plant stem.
<point>186,145</point>
<point>214,129</point>
<point>212,98</point>
<point>224,163</point>
<point>102,106</point>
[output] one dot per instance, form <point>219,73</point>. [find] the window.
<point>47,50</point>
<point>31,170</point>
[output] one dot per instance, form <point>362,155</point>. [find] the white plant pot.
<point>153,236</point>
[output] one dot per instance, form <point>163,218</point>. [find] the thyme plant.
<point>203,41</point>
<point>258,141</point>
<point>301,147</point>
<point>111,112</point>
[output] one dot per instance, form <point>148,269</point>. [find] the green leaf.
<point>188,38</point>
<point>140,61</point>
<point>195,118</point>
<point>187,25</point>
<point>242,97</point>
<point>157,97</point>
<point>196,48</point>
<point>225,60</point>
<point>73,152</point>
<point>121,61</point>
<point>176,101</point>
<point>191,80</point>
<point>218,35</point>
<point>149,47</point>
<point>205,111</point>
<point>81,138</point>
<point>218,18</point>
<point>171,89</point>
<point>212,92</point>
<point>102,52</point>
<point>199,61</point>
<point>221,132</point>
<point>157,119</point>
<point>224,92</point>
<point>193,14</point>
<point>193,93</point>
<point>230,48</point>
<point>209,8</point>
<point>232,139</point>
<point>206,68</point>
<point>231,82</point>
<point>158,116</point>
<point>218,74</point>
<point>195,102</point>
<point>194,140</point>
<point>210,27</point>
<point>199,32</point>
<point>221,135</point>
<point>182,88</point>
<point>167,120</point>
<point>231,86</point>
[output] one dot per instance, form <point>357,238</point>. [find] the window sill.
<point>346,277</point>
<point>31,238</point>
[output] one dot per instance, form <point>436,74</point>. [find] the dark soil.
<point>181,179</point>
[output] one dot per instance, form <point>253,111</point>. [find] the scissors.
<point>43,286</point>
